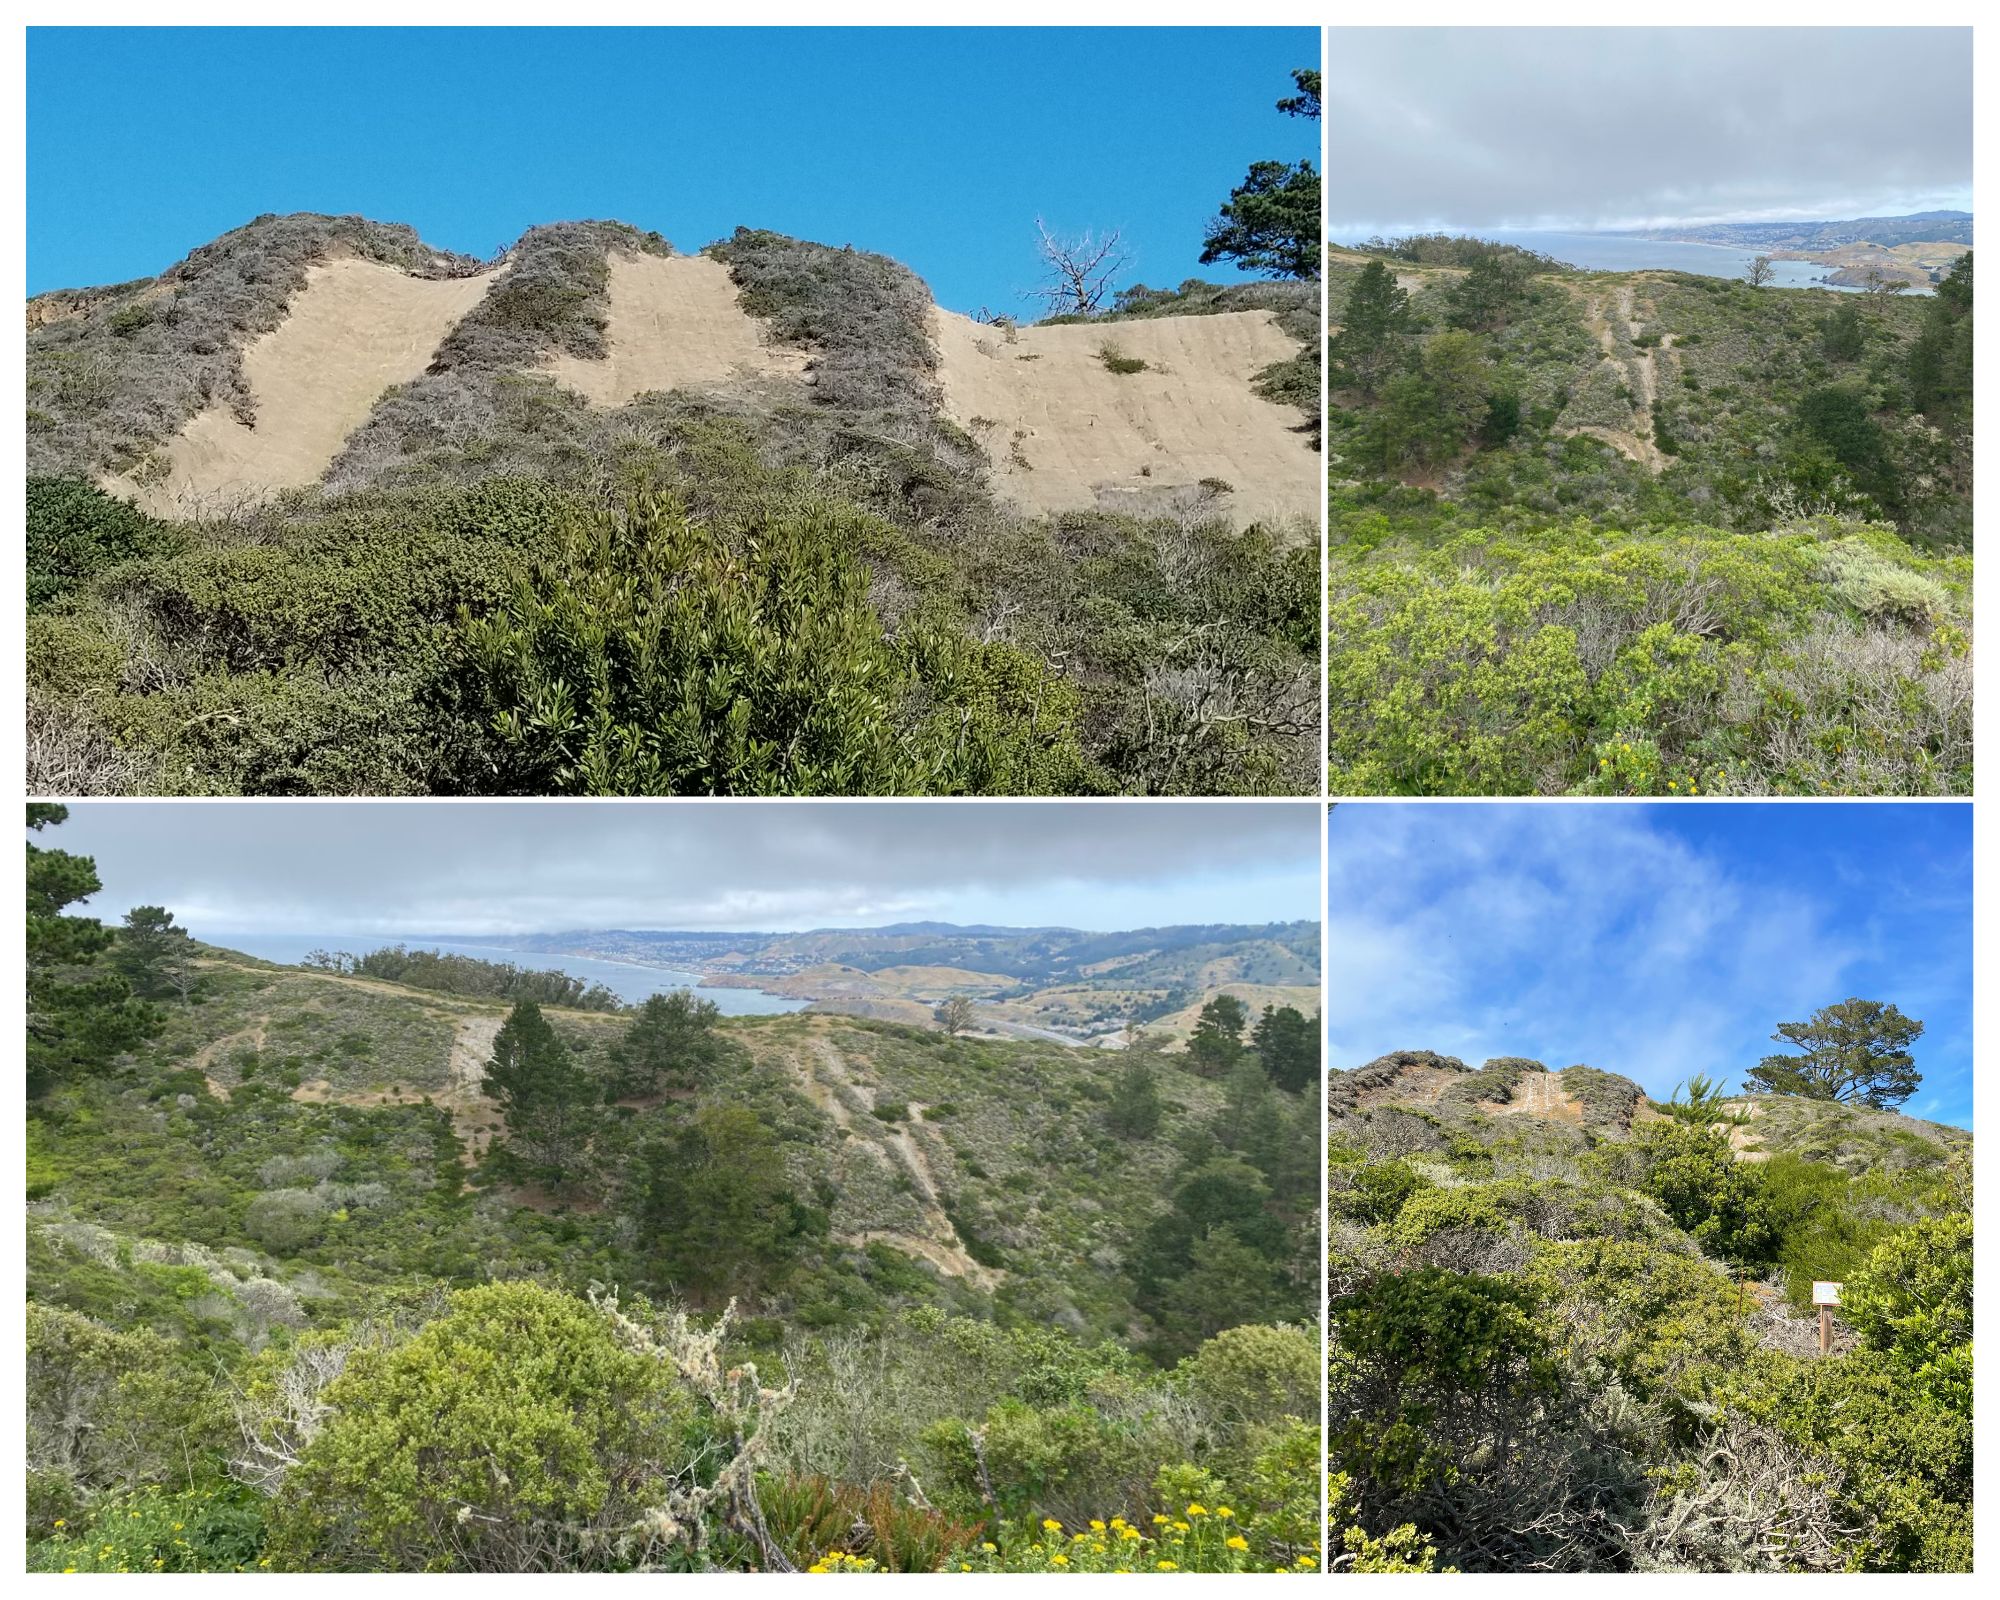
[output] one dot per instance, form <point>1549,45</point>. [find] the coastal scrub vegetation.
<point>1572,1328</point>
<point>1644,533</point>
<point>388,1265</point>
<point>773,586</point>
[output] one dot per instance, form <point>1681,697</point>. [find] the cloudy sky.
<point>1655,941</point>
<point>1566,128</point>
<point>397,869</point>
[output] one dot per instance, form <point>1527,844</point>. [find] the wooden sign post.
<point>1826,1296</point>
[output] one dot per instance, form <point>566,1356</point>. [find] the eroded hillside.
<point>347,472</point>
<point>1061,427</point>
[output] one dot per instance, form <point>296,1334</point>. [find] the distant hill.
<point>1943,227</point>
<point>1079,984</point>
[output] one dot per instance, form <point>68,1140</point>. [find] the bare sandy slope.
<point>1066,433</point>
<point>356,329</point>
<point>674,323</point>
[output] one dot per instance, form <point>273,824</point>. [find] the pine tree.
<point>1135,1101</point>
<point>81,1014</point>
<point>1218,1036</point>
<point>1289,1046</point>
<point>543,1095</point>
<point>1374,332</point>
<point>154,954</point>
<point>1856,1051</point>
<point>670,1045</point>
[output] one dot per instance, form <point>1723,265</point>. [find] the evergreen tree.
<point>81,1015</point>
<point>1288,1045</point>
<point>1856,1051</point>
<point>155,956</point>
<point>1374,333</point>
<point>1135,1101</point>
<point>1218,1036</point>
<point>670,1045</point>
<point>713,1204</point>
<point>1941,356</point>
<point>1843,335</point>
<point>543,1095</point>
<point>1270,222</point>
<point>1481,300</point>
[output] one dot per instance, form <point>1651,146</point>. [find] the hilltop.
<point>1694,536</point>
<point>1631,1282</point>
<point>1043,572</point>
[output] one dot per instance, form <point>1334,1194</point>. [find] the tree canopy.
<point>1857,1051</point>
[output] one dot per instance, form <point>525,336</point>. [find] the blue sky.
<point>935,146</point>
<point>406,868</point>
<point>1657,941</point>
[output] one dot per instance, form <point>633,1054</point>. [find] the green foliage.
<point>670,1046</point>
<point>542,1093</point>
<point>1421,1361</point>
<point>1136,1107</point>
<point>1497,663</point>
<point>1712,1197</point>
<point>1941,355</point>
<point>1856,1050</point>
<point>1217,1039</point>
<point>81,1015</point>
<point>75,531</point>
<point>713,1203</point>
<point>1270,222</point>
<point>494,1439</point>
<point>1288,1045</point>
<point>213,1529</point>
<point>649,657</point>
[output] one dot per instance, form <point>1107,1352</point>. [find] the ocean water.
<point>1612,252</point>
<point>631,984</point>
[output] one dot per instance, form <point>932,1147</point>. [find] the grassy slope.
<point>159,1169</point>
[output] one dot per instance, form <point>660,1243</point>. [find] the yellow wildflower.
<point>60,1523</point>
<point>1197,1510</point>
<point>1059,1559</point>
<point>1159,1519</point>
<point>1236,1541</point>
<point>990,1548</point>
<point>1224,1511</point>
<point>1096,1524</point>
<point>1128,1533</point>
<point>1167,1566</point>
<point>1051,1525</point>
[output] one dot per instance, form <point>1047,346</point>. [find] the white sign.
<point>1826,1294</point>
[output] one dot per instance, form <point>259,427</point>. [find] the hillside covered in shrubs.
<point>1572,1328</point>
<point>1644,533</point>
<point>792,576</point>
<point>331,1272</point>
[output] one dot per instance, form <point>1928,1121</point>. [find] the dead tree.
<point>1077,269</point>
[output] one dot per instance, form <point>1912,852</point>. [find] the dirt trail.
<point>356,329</point>
<point>674,322</point>
<point>205,1058</point>
<point>474,1117</point>
<point>824,1078</point>
<point>1066,433</point>
<point>1636,370</point>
